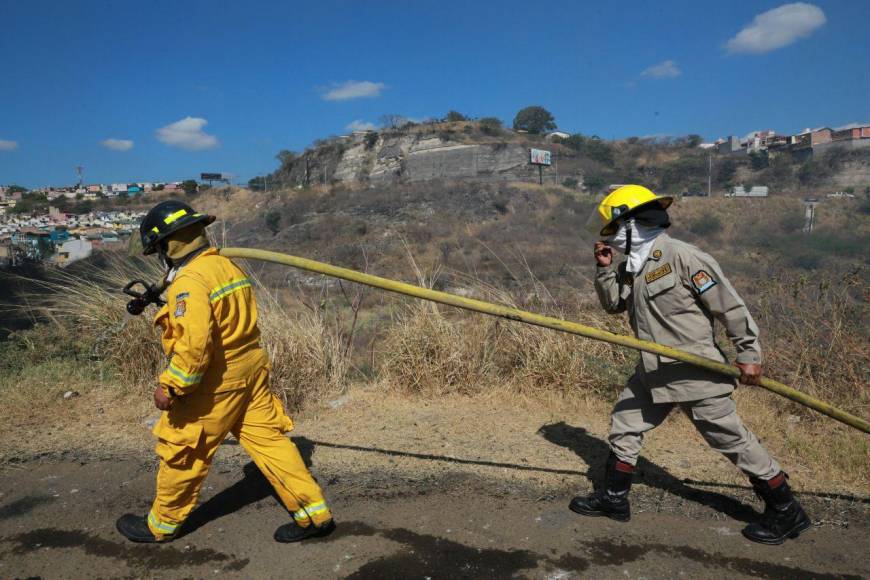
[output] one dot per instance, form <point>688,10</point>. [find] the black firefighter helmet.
<point>166,218</point>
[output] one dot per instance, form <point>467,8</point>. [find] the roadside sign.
<point>540,157</point>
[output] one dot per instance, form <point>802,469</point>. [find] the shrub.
<point>706,225</point>
<point>570,182</point>
<point>273,221</point>
<point>591,147</point>
<point>490,126</point>
<point>758,160</point>
<point>370,140</point>
<point>593,182</point>
<point>455,117</point>
<point>792,221</point>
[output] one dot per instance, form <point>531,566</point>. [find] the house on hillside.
<point>730,146</point>
<point>557,135</point>
<point>850,137</point>
<point>71,251</point>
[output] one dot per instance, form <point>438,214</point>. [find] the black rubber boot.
<point>612,499</point>
<point>135,528</point>
<point>783,516</point>
<point>292,532</point>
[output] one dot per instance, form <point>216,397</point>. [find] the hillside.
<point>481,152</point>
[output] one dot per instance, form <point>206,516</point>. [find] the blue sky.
<point>163,90</point>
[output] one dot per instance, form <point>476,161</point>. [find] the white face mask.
<point>642,238</point>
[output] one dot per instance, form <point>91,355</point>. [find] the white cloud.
<point>117,144</point>
<point>777,28</point>
<point>360,125</point>
<point>8,145</point>
<point>187,134</point>
<point>353,90</point>
<point>851,126</point>
<point>667,69</point>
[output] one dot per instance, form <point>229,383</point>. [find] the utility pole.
<point>709,174</point>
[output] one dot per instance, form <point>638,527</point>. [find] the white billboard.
<point>539,157</point>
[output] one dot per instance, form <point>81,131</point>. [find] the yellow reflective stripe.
<point>185,378</point>
<point>310,510</point>
<point>227,289</point>
<point>155,230</point>
<point>172,217</point>
<point>161,526</point>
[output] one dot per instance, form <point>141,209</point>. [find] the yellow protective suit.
<point>218,377</point>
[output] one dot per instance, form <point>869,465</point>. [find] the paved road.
<point>57,521</point>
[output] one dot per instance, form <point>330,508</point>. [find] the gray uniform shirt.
<point>674,300</point>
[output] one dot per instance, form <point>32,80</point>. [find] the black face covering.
<point>652,216</point>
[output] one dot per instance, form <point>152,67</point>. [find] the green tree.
<point>455,117</point>
<point>490,125</point>
<point>273,221</point>
<point>534,119</point>
<point>257,183</point>
<point>16,189</point>
<point>285,157</point>
<point>693,141</point>
<point>189,186</point>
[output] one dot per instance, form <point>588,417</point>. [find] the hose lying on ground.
<point>546,322</point>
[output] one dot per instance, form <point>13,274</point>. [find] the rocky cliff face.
<point>396,157</point>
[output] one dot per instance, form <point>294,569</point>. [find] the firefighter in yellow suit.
<point>216,382</point>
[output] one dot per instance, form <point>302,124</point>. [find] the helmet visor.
<point>595,224</point>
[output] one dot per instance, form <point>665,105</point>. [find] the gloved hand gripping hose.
<point>150,295</point>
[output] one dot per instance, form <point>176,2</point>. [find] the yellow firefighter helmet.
<point>625,200</point>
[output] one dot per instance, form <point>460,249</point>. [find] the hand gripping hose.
<point>546,322</point>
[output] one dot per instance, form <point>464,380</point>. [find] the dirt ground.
<point>456,488</point>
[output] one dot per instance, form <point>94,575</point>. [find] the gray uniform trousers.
<point>716,419</point>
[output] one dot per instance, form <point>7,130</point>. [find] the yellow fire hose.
<point>546,322</point>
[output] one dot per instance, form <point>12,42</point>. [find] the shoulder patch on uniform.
<point>702,281</point>
<point>182,296</point>
<point>659,272</point>
<point>180,308</point>
<point>657,254</point>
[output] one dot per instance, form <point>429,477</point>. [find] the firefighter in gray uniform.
<point>673,293</point>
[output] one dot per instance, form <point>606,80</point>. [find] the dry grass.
<point>428,351</point>
<point>309,360</point>
<point>87,311</point>
<point>88,302</point>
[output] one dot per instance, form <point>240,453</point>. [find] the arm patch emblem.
<point>702,281</point>
<point>660,272</point>
<point>180,308</point>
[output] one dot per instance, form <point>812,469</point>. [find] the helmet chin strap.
<point>629,227</point>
